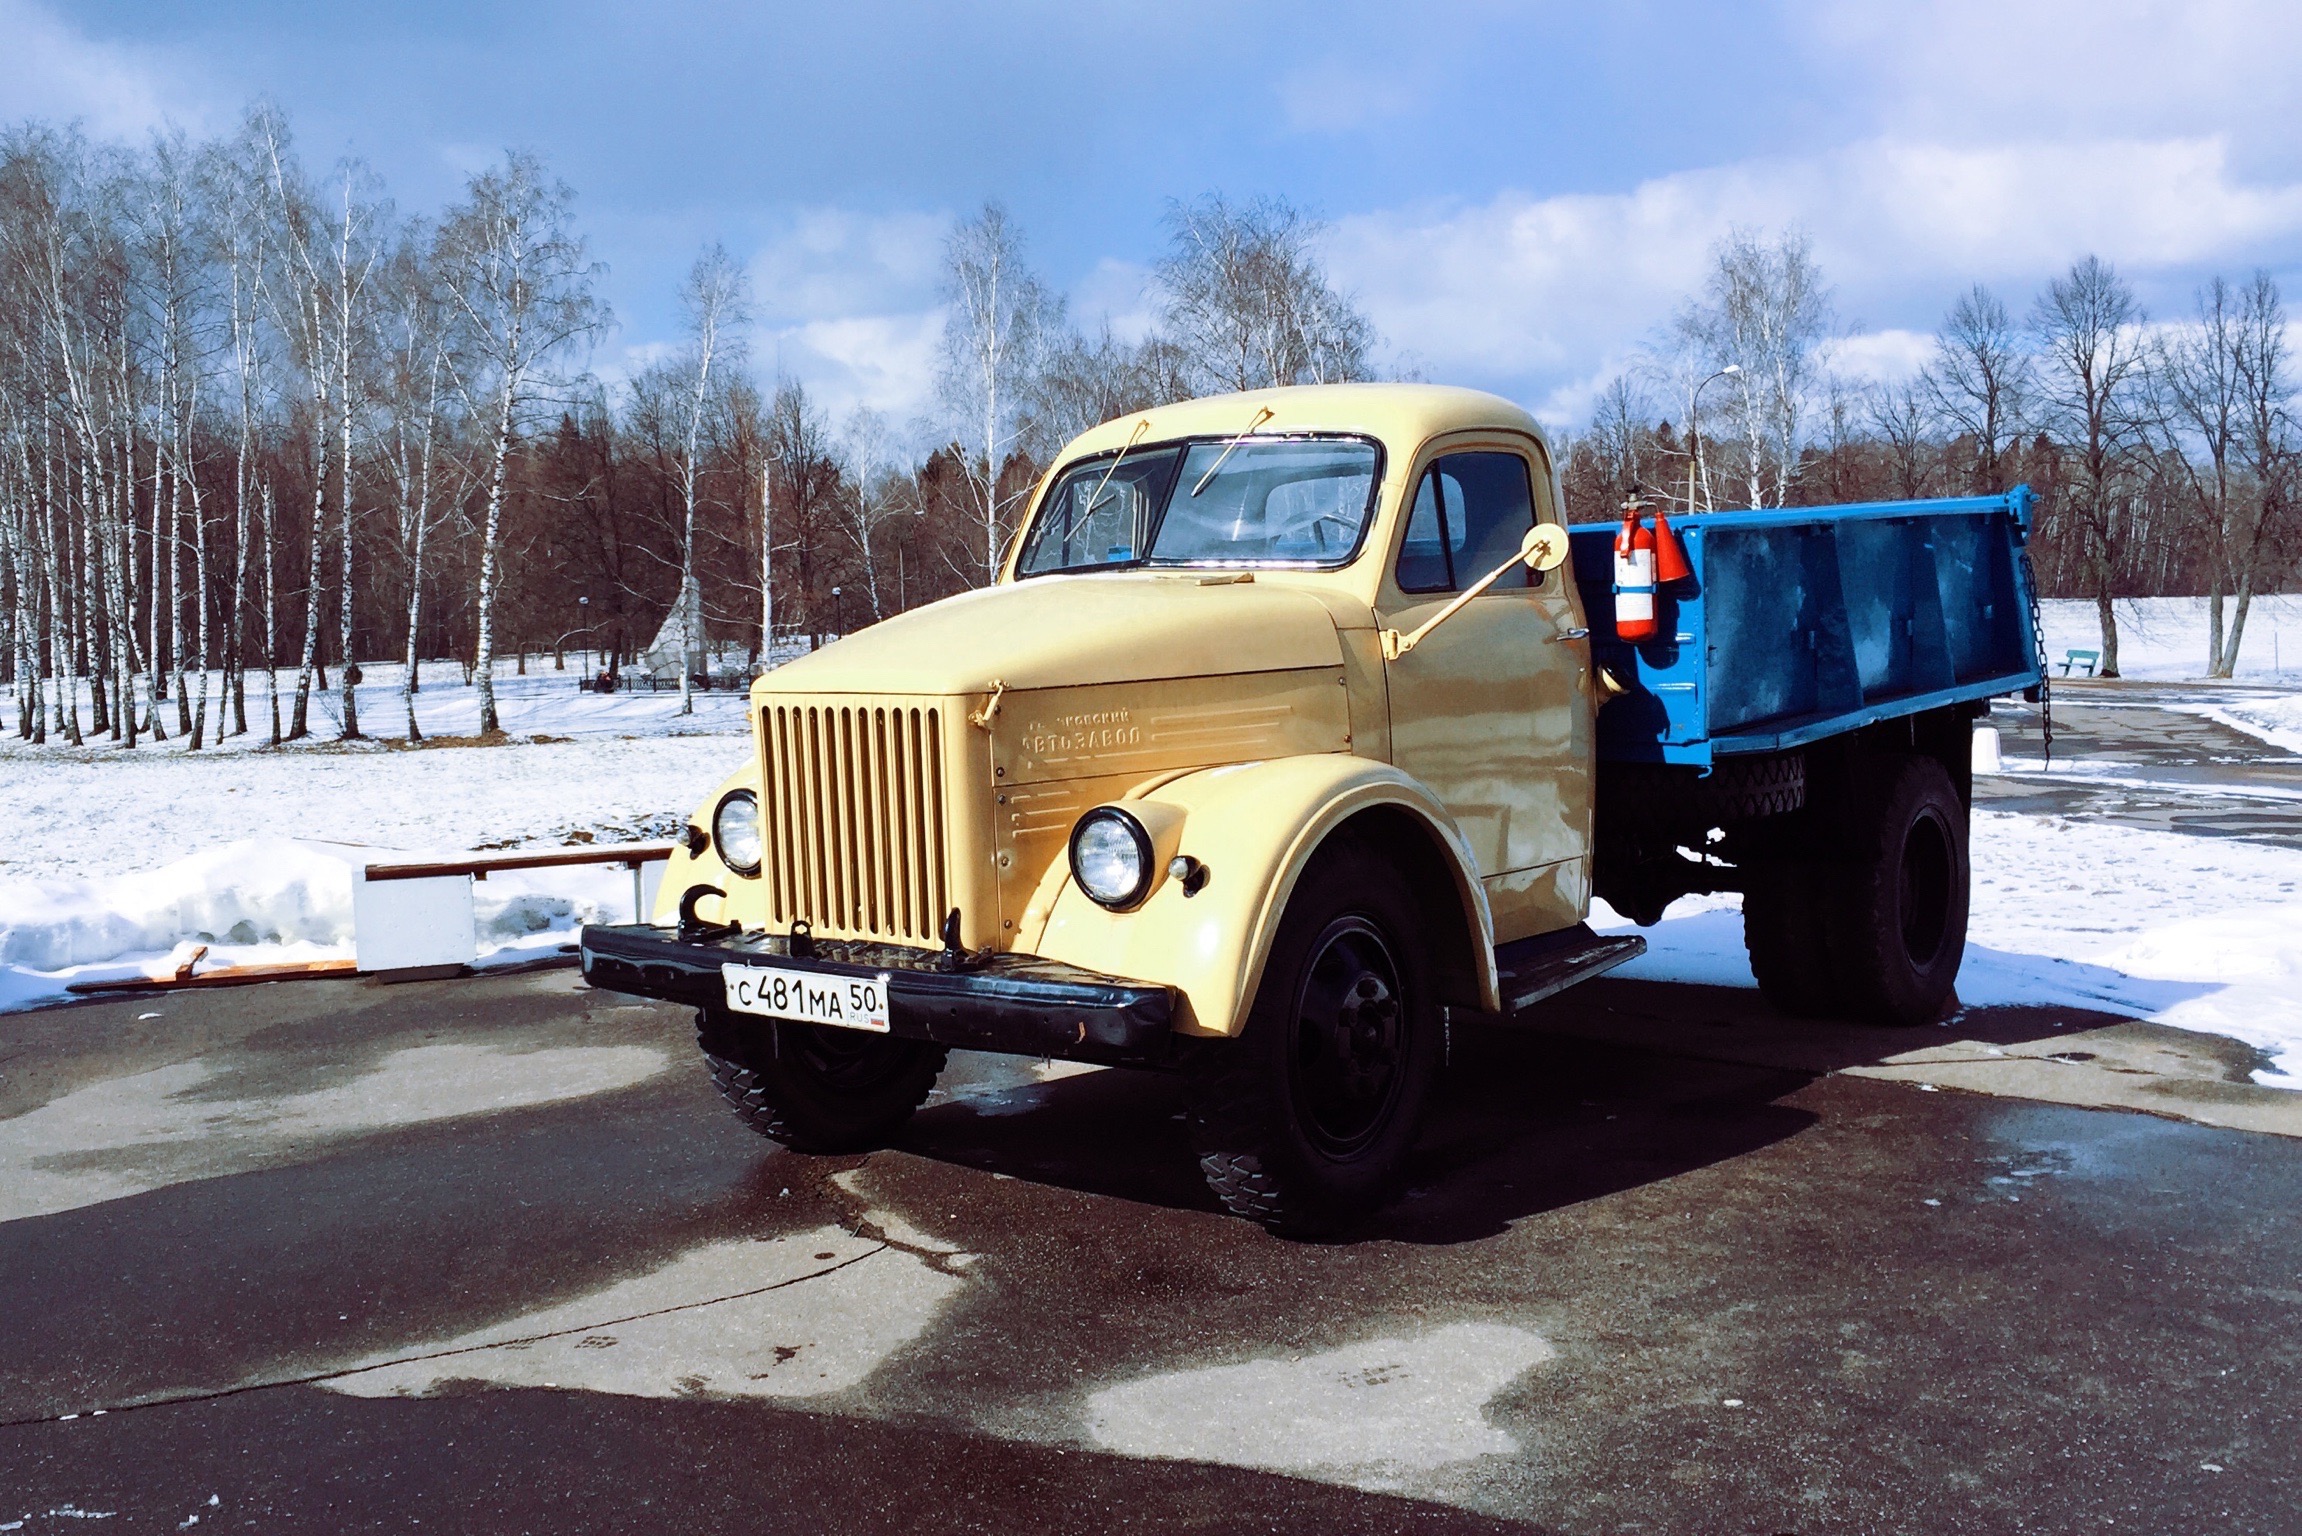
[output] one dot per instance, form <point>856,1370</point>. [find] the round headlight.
<point>1111,857</point>
<point>735,828</point>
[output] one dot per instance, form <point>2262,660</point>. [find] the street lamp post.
<point>838,614</point>
<point>1695,437</point>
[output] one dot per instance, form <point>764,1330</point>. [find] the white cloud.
<point>831,263</point>
<point>52,70</point>
<point>848,306</point>
<point>1967,70</point>
<point>1537,294</point>
<point>886,362</point>
<point>1880,357</point>
<point>1117,293</point>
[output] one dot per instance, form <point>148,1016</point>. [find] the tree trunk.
<point>271,610</point>
<point>484,658</point>
<point>348,670</point>
<point>300,718</point>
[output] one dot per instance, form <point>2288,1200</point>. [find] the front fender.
<point>746,901</point>
<point>1254,826</point>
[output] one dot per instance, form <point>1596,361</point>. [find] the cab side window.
<point>1470,512</point>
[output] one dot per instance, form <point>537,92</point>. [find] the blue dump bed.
<point>1804,623</point>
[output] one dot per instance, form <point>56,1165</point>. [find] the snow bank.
<point>2270,717</point>
<point>2196,933</point>
<point>258,901</point>
<point>261,891</point>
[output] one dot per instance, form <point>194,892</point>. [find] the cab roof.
<point>1401,415</point>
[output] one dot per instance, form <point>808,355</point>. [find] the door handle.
<point>1571,634</point>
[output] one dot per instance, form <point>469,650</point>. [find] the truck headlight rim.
<point>735,831</point>
<point>1111,858</point>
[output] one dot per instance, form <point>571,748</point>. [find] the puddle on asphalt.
<point>131,1134</point>
<point>802,1315</point>
<point>1372,1415</point>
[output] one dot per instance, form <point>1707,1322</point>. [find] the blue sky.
<point>1519,193</point>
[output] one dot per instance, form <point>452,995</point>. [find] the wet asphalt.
<point>1667,1264</point>
<point>2166,769</point>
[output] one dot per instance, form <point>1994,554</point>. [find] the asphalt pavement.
<point>488,1255</point>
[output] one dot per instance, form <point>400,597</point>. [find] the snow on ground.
<point>116,859</point>
<point>2197,933</point>
<point>112,812</point>
<point>2164,638</point>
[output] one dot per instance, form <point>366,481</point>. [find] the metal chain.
<point>2038,649</point>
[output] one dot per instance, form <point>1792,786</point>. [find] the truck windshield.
<point>1300,501</point>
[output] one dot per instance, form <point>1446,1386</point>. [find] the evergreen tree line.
<point>2164,454</point>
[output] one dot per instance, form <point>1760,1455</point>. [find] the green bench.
<point>2087,659</point>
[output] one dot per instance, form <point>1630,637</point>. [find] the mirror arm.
<point>1533,552</point>
<point>1396,645</point>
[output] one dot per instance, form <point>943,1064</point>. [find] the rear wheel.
<point>1784,932</point>
<point>1897,929</point>
<point>816,1089</point>
<point>1304,1121</point>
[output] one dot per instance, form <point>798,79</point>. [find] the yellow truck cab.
<point>1275,741</point>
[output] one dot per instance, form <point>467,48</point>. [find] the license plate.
<point>808,997</point>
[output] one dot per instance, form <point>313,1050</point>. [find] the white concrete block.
<point>399,925</point>
<point>1986,759</point>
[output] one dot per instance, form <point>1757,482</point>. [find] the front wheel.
<point>816,1089</point>
<point>1305,1120</point>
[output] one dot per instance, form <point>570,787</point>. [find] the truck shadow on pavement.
<point>1621,1085</point>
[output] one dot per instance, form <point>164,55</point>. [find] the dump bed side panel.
<point>1804,623</point>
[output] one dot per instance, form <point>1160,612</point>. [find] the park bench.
<point>2075,658</point>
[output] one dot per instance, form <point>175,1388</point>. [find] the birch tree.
<point>2267,437</point>
<point>2089,331</point>
<point>2194,404</point>
<point>517,273</point>
<point>715,301</point>
<point>354,248</point>
<point>417,382</point>
<point>1245,299</point>
<point>1978,380</point>
<point>1766,310</point>
<point>998,315</point>
<point>865,454</point>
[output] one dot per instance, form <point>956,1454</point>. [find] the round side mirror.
<point>1545,547</point>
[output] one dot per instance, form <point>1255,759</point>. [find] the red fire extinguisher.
<point>1634,577</point>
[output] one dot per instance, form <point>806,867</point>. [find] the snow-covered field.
<point>112,860</point>
<point>2164,638</point>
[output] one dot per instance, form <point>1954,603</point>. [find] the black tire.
<point>1785,934</point>
<point>1304,1122</point>
<point>1897,922</point>
<point>814,1089</point>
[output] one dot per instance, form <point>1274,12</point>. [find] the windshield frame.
<point>1181,447</point>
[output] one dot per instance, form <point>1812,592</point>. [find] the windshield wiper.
<point>1261,416</point>
<point>1096,499</point>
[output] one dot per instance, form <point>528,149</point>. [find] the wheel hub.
<point>1349,1036</point>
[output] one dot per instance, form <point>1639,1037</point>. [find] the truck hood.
<point>1066,631</point>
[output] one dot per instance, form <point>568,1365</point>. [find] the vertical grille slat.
<point>853,798</point>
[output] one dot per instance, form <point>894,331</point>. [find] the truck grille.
<point>853,812</point>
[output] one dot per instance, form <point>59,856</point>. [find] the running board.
<point>1530,970</point>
